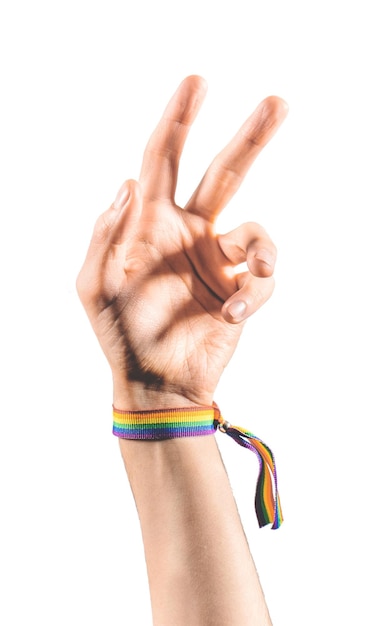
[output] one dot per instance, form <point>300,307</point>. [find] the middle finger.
<point>226,173</point>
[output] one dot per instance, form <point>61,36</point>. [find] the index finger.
<point>227,171</point>
<point>159,171</point>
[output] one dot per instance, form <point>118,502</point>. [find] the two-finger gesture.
<point>158,283</point>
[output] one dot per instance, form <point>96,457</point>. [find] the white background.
<point>82,86</point>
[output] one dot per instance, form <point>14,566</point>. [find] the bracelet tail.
<point>195,421</point>
<point>267,500</point>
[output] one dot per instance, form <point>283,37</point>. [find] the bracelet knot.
<point>196,421</point>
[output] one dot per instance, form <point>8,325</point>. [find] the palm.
<point>168,304</point>
<point>165,285</point>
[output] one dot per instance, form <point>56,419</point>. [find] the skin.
<point>158,283</point>
<point>161,292</point>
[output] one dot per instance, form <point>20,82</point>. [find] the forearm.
<point>200,569</point>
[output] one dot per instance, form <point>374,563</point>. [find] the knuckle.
<point>88,285</point>
<point>226,173</point>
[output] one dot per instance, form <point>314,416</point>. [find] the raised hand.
<point>158,282</point>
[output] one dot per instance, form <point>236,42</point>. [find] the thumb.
<point>113,228</point>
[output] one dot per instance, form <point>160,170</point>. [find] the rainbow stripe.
<point>267,500</point>
<point>164,423</point>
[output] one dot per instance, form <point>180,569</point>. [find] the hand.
<point>158,282</point>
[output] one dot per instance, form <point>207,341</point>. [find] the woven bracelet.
<point>195,421</point>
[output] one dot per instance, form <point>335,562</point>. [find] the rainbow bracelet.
<point>195,421</point>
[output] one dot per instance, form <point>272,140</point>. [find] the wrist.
<point>135,396</point>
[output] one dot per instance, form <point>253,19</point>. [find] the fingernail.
<point>237,310</point>
<point>122,197</point>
